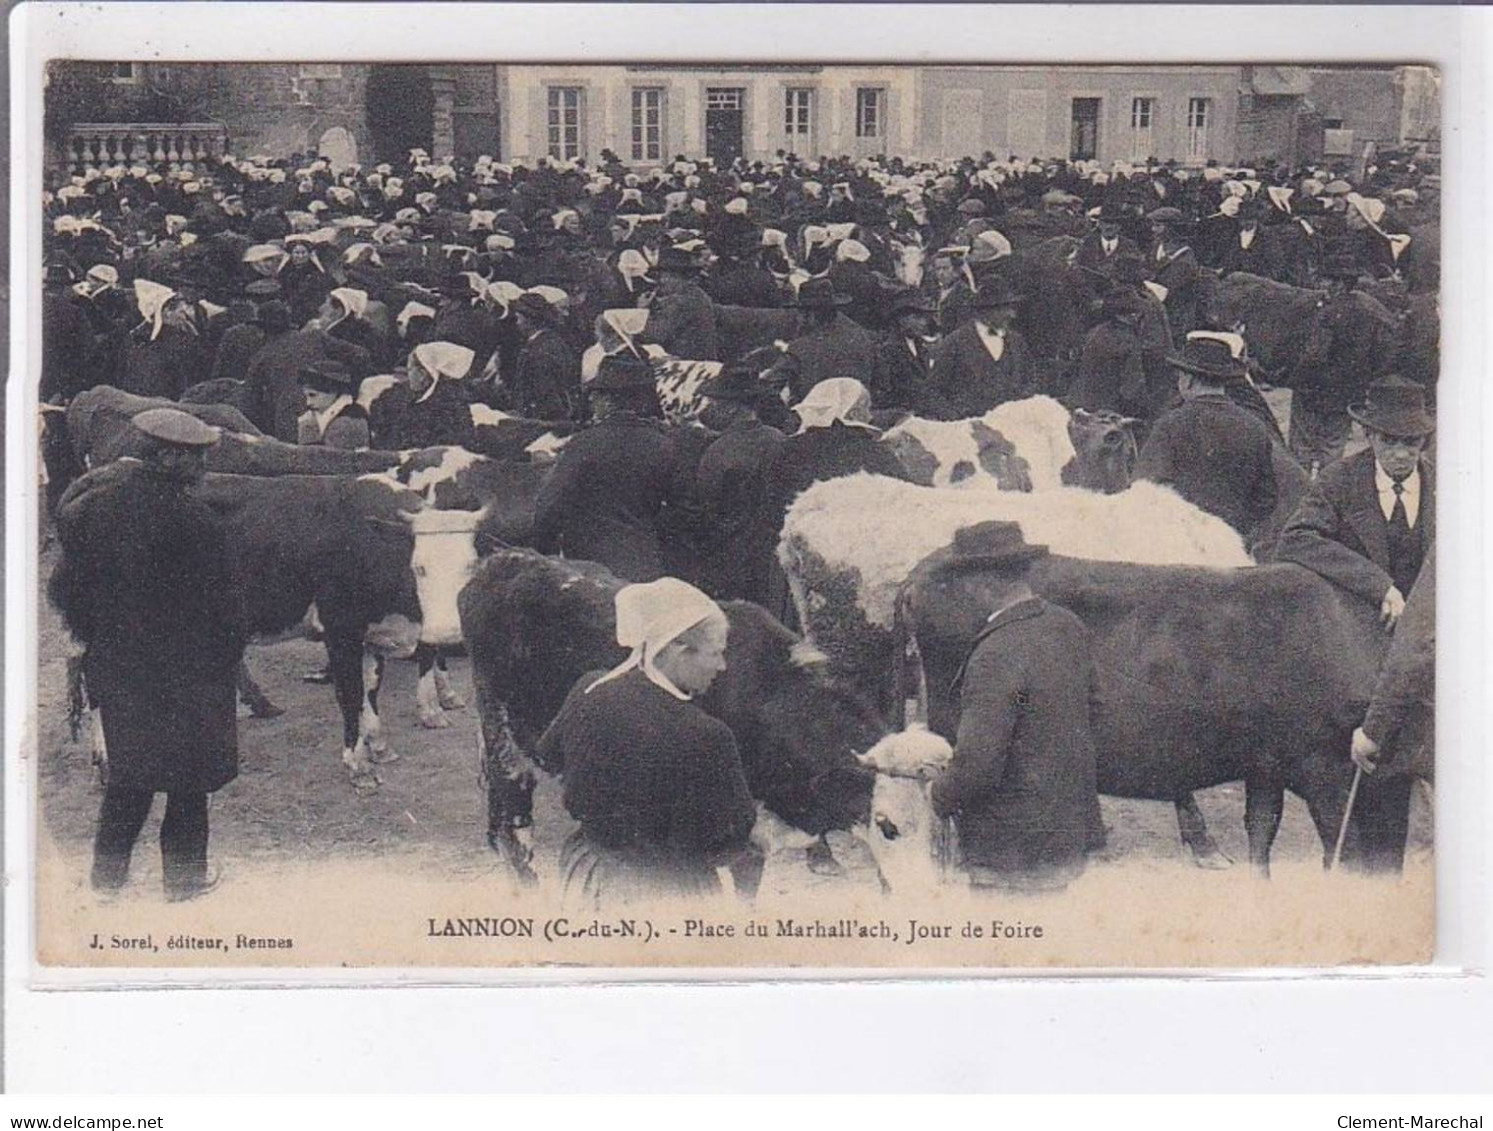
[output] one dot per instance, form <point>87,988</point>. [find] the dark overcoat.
<point>605,497</point>
<point>274,377</point>
<point>730,482</point>
<point>839,349</point>
<point>165,367</point>
<point>442,417</point>
<point>1339,532</point>
<point>1179,273</point>
<point>1022,785</point>
<point>145,585</point>
<point>546,381</point>
<point>1216,456</point>
<point>970,381</point>
<point>236,348</point>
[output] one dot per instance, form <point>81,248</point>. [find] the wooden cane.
<point>1342,833</point>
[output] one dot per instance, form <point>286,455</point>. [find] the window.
<point>1142,115</point>
<point>565,122</point>
<point>869,118</point>
<point>647,123</point>
<point>124,72</point>
<point>799,107</point>
<point>1085,138</point>
<point>1198,113</point>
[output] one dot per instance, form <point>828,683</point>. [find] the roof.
<point>1281,80</point>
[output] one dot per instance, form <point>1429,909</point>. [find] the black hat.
<point>326,377</point>
<point>993,543</point>
<point>819,294</point>
<point>1167,215</point>
<point>738,381</point>
<point>1394,406</point>
<point>993,293</point>
<point>1210,358</point>
<point>623,373</point>
<point>535,307</point>
<point>273,315</point>
<point>910,301</point>
<point>677,260</point>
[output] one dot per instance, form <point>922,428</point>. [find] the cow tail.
<point>77,697</point>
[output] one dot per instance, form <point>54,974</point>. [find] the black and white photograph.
<point>750,515</point>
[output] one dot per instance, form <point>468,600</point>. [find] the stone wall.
<point>284,108</point>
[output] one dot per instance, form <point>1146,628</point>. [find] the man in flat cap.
<point>146,585</point>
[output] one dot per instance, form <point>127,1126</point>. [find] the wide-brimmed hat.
<point>1394,406</point>
<point>738,381</point>
<point>623,373</point>
<point>819,294</point>
<point>993,544</point>
<point>326,377</point>
<point>1210,357</point>
<point>172,426</point>
<point>677,260</point>
<point>1167,215</point>
<point>994,293</point>
<point>535,307</point>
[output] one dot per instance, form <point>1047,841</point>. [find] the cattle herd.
<point>214,287</point>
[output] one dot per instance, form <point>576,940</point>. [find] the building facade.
<point>647,114</point>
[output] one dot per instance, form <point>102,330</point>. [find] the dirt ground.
<point>292,803</point>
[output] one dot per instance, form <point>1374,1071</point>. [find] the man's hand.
<point>1392,607</point>
<point>1365,751</point>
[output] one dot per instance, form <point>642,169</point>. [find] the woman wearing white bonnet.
<point>656,784</point>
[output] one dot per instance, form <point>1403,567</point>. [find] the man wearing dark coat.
<point>273,379</point>
<point>1175,267</point>
<point>1098,250</point>
<point>1367,525</point>
<point>730,482</point>
<point>1022,785</point>
<point>239,344</point>
<point>145,584</point>
<point>902,378</point>
<point>604,501</point>
<point>984,363</point>
<point>1209,450</point>
<point>682,317</point>
<point>546,379</point>
<point>831,346</point>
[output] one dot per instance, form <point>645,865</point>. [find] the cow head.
<point>912,753</point>
<point>443,560</point>
<point>1104,451</point>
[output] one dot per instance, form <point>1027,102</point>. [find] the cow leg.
<point>370,724</point>
<point>432,717</point>
<point>253,695</point>
<point>445,694</point>
<point>1264,802</point>
<point>510,793</point>
<point>1195,835</point>
<point>345,652</point>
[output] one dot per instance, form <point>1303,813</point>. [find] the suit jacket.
<point>1022,786</point>
<point>1403,707</point>
<point>970,381</point>
<point>1179,274</point>
<point>1111,372</point>
<point>1339,531</point>
<point>903,377</point>
<point>841,349</point>
<point>546,381</point>
<point>1215,455</point>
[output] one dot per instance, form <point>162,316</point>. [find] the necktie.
<point>1399,520</point>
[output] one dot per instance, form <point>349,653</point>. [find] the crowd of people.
<point>880,287</point>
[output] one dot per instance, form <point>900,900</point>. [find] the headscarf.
<point>412,310</point>
<point>838,399</point>
<point>442,360</point>
<point>353,302</point>
<point>650,616</point>
<point>151,299</point>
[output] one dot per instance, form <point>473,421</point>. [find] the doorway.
<point>401,110</point>
<point>724,123</point>
<point>1085,144</point>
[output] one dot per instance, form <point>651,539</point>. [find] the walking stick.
<point>1342,833</point>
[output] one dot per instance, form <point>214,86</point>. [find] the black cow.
<point>1204,676</point>
<point>535,625</point>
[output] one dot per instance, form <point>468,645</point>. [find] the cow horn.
<point>408,517</point>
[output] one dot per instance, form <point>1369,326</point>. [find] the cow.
<point>743,330</point>
<point>847,548</point>
<point>684,385</point>
<point>501,435</point>
<point>1204,676</point>
<point>220,390</point>
<point>535,625</point>
<point>1033,444</point>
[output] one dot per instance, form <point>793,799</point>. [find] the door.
<point>1085,144</point>
<point>724,120</point>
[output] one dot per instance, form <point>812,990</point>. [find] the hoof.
<point>267,710</point>
<point>1212,859</point>
<point>452,702</point>
<point>364,782</point>
<point>434,720</point>
<point>822,861</point>
<point>381,755</point>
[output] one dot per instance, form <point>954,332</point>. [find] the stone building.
<point>648,113</point>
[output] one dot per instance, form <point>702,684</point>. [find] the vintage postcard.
<point>752,516</point>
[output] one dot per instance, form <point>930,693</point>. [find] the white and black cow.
<point>1033,444</point>
<point>847,550</point>
<point>535,625</point>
